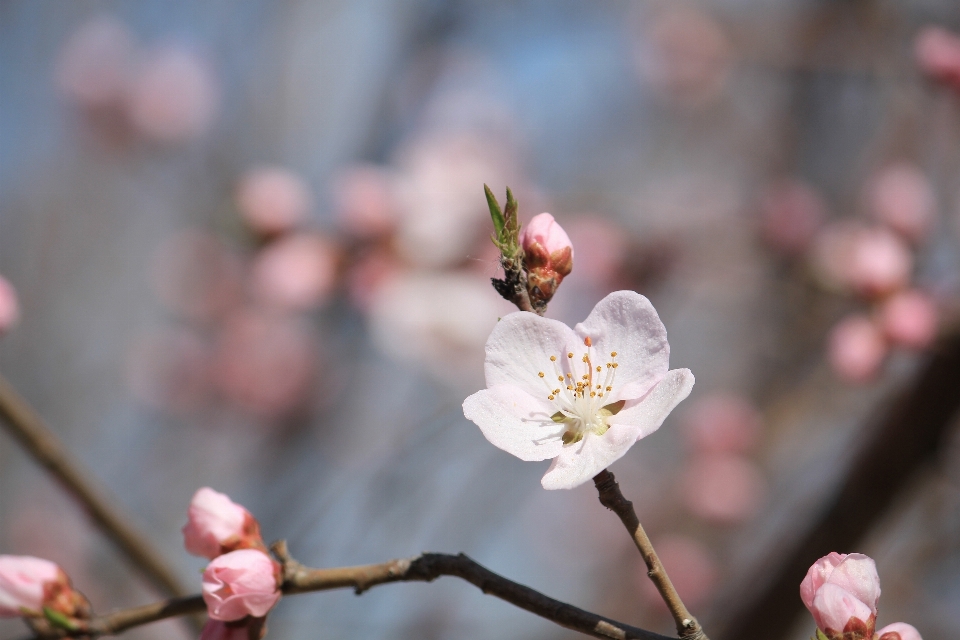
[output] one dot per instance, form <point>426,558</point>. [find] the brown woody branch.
<point>423,568</point>
<point>610,496</point>
<point>42,443</point>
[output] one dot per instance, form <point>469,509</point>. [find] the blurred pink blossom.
<point>273,200</point>
<point>722,423</point>
<point>295,272</point>
<point>870,261</point>
<point>899,631</point>
<point>439,321</point>
<point>901,196</point>
<point>856,349</point>
<point>841,591</point>
<point>216,525</point>
<point>442,208</point>
<point>170,370</point>
<point>239,584</point>
<point>95,67</point>
<point>686,56</point>
<point>174,97</point>
<point>22,583</point>
<point>197,276</point>
<point>366,200</point>
<point>9,306</point>
<point>368,274</point>
<point>791,213</point>
<point>938,54</point>
<point>691,567</point>
<point>910,319</point>
<point>266,362</point>
<point>601,249</point>
<point>880,263</point>
<point>722,488</point>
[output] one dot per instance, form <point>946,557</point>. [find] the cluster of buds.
<point>38,590</point>
<point>242,582</point>
<point>535,260</point>
<point>841,591</point>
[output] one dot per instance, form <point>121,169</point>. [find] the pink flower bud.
<point>841,591</point>
<point>910,319</point>
<point>216,525</point>
<point>9,306</point>
<point>239,584</point>
<point>856,349</point>
<point>899,631</point>
<point>29,585</point>
<point>548,255</point>
<point>22,583</point>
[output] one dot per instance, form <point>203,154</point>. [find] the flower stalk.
<point>610,496</point>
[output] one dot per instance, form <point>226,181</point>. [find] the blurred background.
<point>245,245</point>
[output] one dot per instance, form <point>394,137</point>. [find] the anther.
<point>613,354</point>
<point>570,355</point>
<point>560,378</point>
<point>587,341</point>
<point>540,374</point>
<point>550,397</point>
<point>598,369</point>
<point>553,358</point>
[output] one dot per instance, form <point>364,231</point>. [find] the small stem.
<point>42,443</point>
<point>610,496</point>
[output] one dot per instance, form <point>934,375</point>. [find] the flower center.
<point>580,395</point>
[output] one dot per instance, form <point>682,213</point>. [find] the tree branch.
<point>426,567</point>
<point>42,443</point>
<point>610,496</point>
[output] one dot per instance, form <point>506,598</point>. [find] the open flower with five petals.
<point>581,396</point>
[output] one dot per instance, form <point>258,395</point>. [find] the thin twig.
<point>610,496</point>
<point>423,568</point>
<point>43,444</point>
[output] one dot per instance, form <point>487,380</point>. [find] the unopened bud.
<point>841,591</point>
<point>547,256</point>
<point>34,587</point>
<point>217,525</point>
<point>239,584</point>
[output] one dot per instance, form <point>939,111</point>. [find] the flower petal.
<point>833,606</point>
<point>903,630</point>
<point>649,413</point>
<point>857,574</point>
<point>520,347</point>
<point>516,422</point>
<point>627,323</point>
<point>579,462</point>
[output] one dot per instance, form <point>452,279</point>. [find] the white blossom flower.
<point>581,396</point>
